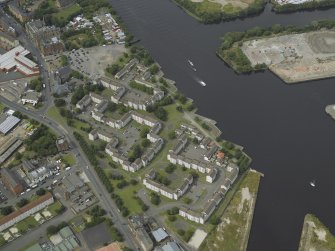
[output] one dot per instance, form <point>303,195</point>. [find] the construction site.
<point>295,57</point>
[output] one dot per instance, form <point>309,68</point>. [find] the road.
<point>97,187</point>
<point>29,45</point>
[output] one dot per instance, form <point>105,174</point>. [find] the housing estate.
<point>27,210</point>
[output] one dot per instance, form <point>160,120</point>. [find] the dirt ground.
<point>297,57</point>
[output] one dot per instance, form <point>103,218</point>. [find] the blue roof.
<point>8,123</point>
<point>159,234</point>
<point>171,246</point>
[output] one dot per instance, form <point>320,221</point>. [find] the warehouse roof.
<point>8,123</point>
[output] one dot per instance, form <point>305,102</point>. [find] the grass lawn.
<point>54,114</point>
<point>26,224</point>
<point>53,208</point>
<point>233,231</point>
<point>69,159</point>
<point>2,107</point>
<point>67,12</point>
<point>127,194</point>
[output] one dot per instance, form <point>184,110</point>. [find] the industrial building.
<point>17,59</point>
<point>8,123</point>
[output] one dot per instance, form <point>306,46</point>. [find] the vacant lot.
<point>316,236</point>
<point>232,233</point>
<point>295,57</point>
<point>66,13</point>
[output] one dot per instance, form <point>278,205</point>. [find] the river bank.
<point>233,232</point>
<point>315,235</point>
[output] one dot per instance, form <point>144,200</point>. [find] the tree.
<point>113,69</point>
<point>182,99</point>
<point>22,203</point>
<point>172,218</point>
<point>155,199</point>
<point>181,232</point>
<point>170,168</point>
<point>59,102</point>
<point>214,220</point>
<point>154,69</point>
<point>64,60</point>
<point>161,113</point>
<point>191,107</point>
<point>179,108</point>
<point>172,135</point>
<point>145,143</point>
<point>144,132</point>
<point>40,192</point>
<point>6,210</point>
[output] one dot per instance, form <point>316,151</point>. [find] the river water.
<point>284,128</point>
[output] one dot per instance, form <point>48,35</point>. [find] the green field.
<point>69,159</point>
<point>66,13</point>
<point>233,231</point>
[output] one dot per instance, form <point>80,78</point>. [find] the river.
<point>283,127</point>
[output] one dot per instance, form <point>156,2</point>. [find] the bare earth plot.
<point>232,233</point>
<point>295,57</point>
<point>315,236</point>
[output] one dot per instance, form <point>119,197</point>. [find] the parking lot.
<point>93,61</point>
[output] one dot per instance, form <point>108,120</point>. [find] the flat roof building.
<point>16,59</point>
